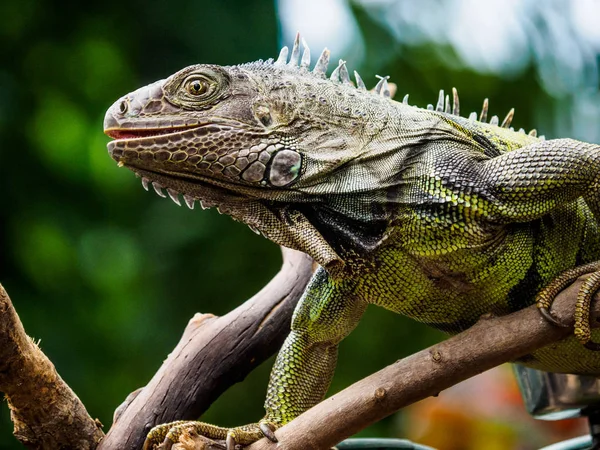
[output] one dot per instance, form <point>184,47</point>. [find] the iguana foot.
<point>584,298</point>
<point>169,433</point>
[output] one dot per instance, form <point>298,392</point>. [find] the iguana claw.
<point>546,314</point>
<point>230,442</point>
<point>584,298</point>
<point>269,432</point>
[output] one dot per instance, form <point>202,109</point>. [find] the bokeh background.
<point>107,275</point>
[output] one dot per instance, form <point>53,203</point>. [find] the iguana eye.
<point>197,87</point>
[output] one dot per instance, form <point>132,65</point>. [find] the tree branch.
<point>213,353</point>
<point>46,413</point>
<point>487,344</point>
<point>216,352</point>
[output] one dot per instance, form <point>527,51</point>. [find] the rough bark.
<point>46,413</point>
<point>213,353</point>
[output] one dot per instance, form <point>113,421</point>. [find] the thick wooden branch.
<point>489,343</point>
<point>213,354</point>
<point>217,352</point>
<point>46,413</point>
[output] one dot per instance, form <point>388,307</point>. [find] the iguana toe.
<point>584,298</point>
<point>166,435</point>
<point>157,435</point>
<point>250,433</point>
<point>582,311</point>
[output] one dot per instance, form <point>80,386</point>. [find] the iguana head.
<point>310,162</point>
<point>256,140</point>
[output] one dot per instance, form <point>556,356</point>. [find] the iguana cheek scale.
<point>424,212</point>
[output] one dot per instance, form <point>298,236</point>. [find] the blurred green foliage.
<point>107,275</point>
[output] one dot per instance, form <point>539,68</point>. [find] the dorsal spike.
<point>430,107</point>
<point>533,133</point>
<point>473,116</point>
<point>541,137</point>
<point>360,84</point>
<point>305,61</point>
<point>440,102</point>
<point>385,89</point>
<point>335,75</point>
<point>455,102</point>
<point>322,63</point>
<point>382,87</point>
<point>295,52</point>
<point>282,59</point>
<point>494,120</point>
<point>484,110</point>
<point>522,131</point>
<point>405,99</point>
<point>508,119</point>
<point>344,75</point>
<point>447,107</point>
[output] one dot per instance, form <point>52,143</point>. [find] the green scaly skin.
<point>426,213</point>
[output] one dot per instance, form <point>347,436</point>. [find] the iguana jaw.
<point>218,153</point>
<point>145,152</point>
<point>181,156</point>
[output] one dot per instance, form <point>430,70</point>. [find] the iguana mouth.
<point>119,134</point>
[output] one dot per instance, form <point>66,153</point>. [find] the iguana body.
<point>426,213</point>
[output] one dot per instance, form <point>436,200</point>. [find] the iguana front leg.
<point>329,310</point>
<point>528,183</point>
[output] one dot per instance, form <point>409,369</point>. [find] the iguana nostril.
<point>123,106</point>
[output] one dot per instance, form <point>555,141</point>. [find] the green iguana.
<point>426,213</point>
